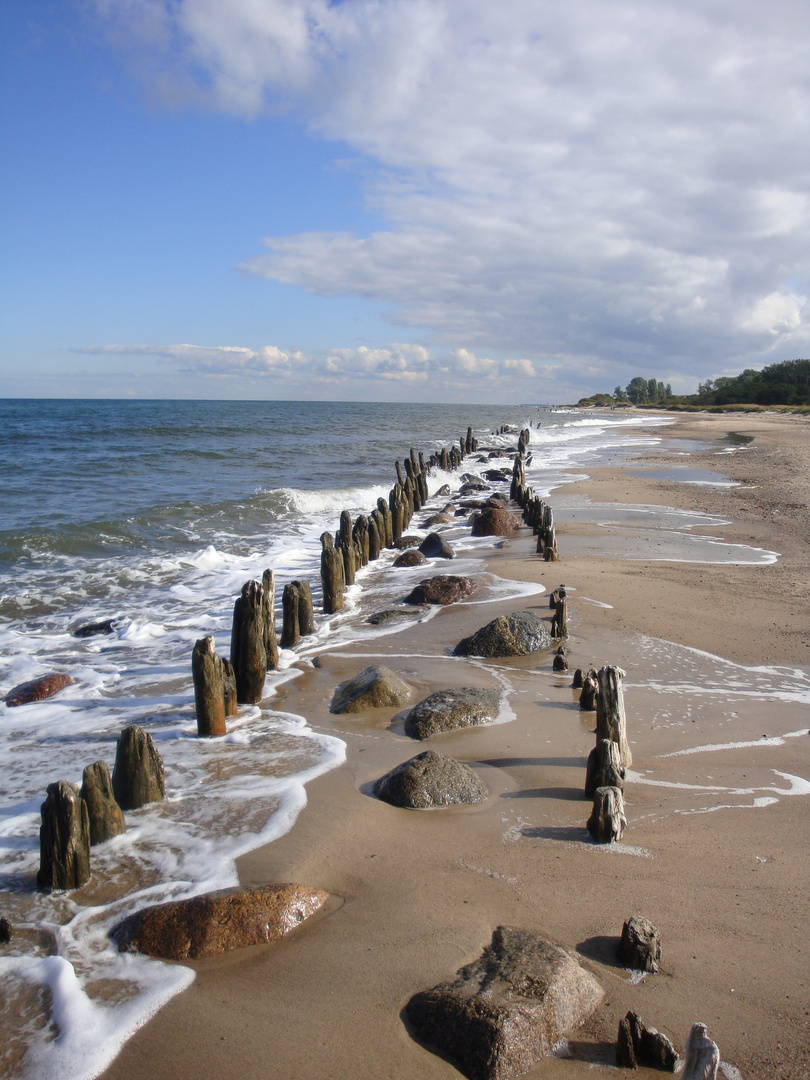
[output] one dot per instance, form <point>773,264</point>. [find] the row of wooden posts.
<point>221,685</point>
<point>536,512</point>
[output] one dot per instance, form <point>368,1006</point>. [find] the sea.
<point>152,514</point>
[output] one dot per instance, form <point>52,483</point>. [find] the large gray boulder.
<point>495,522</point>
<point>217,922</point>
<point>373,688</point>
<point>442,589</point>
<point>447,710</point>
<point>428,780</point>
<point>518,634</point>
<point>508,1008</point>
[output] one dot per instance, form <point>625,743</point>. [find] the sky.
<point>421,200</point>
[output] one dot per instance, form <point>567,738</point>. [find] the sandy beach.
<point>716,851</point>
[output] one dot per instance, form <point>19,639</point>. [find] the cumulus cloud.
<point>215,360</point>
<point>619,185</point>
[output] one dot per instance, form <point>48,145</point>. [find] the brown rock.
<point>410,558</point>
<point>442,589</point>
<point>494,522</point>
<point>218,922</point>
<point>38,689</point>
<point>508,1008</point>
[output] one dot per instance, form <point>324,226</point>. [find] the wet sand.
<point>715,852</point>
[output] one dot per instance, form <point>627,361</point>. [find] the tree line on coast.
<point>786,384</point>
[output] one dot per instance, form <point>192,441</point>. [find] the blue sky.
<point>399,199</point>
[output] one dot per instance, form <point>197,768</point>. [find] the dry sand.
<point>417,894</point>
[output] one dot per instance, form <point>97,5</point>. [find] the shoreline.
<point>417,894</point>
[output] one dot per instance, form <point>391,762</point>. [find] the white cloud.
<point>218,360</point>
<point>584,180</point>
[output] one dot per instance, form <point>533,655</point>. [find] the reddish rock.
<point>218,922</point>
<point>38,689</point>
<point>495,522</point>
<point>442,589</point>
<point>410,558</point>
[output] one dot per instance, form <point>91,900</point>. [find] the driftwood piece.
<point>214,688</point>
<point>610,719</point>
<point>248,654</point>
<point>604,768</point>
<point>607,821</point>
<point>702,1055</point>
<point>64,839</point>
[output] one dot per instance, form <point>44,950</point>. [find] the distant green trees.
<point>787,383</point>
<point>641,391</point>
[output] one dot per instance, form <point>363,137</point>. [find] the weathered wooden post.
<point>590,687</point>
<point>290,634</point>
<point>214,686</point>
<point>138,771</point>
<point>105,817</point>
<point>444,459</point>
<point>360,536</point>
<point>64,839</point>
<point>376,527</point>
<point>423,477</point>
<point>306,613</point>
<point>610,719</point>
<point>332,575</point>
<point>385,511</point>
<point>607,821</point>
<point>559,623</point>
<point>604,768</point>
<point>469,441</point>
<point>269,616</point>
<point>248,653</point>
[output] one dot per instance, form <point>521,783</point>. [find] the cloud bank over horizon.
<point>601,189</point>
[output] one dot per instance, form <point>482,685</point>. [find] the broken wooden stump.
<point>607,821</point>
<point>332,576</point>
<point>610,719</point>
<point>104,815</point>
<point>702,1055</point>
<point>604,768</point>
<point>269,613</point>
<point>214,688</point>
<point>640,945</point>
<point>138,772</point>
<point>248,653</point>
<point>590,688</point>
<point>64,839</point>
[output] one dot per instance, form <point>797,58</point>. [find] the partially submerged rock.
<point>38,689</point>
<point>495,522</point>
<point>64,839</point>
<point>5,931</point>
<point>93,629</point>
<point>436,547</point>
<point>429,780</point>
<point>379,618</point>
<point>442,589</point>
<point>448,710</point>
<point>105,816</point>
<point>640,945</point>
<point>508,1008</point>
<point>374,688</point>
<point>413,557</point>
<point>518,634</point>
<point>218,922</point>
<point>138,772</point>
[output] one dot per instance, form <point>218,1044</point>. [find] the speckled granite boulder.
<point>508,1008</point>
<point>373,688</point>
<point>518,634</point>
<point>448,710</point>
<point>429,780</point>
